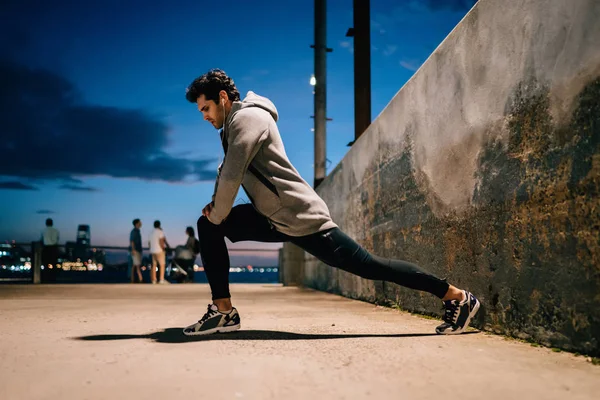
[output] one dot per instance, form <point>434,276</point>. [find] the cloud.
<point>45,212</point>
<point>14,185</point>
<point>76,188</point>
<point>49,133</point>
<point>411,65</point>
<point>347,44</point>
<point>389,50</point>
<point>377,27</point>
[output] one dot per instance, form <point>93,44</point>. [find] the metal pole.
<point>36,262</point>
<point>320,89</point>
<point>362,67</point>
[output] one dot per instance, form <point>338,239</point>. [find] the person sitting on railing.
<point>185,255</point>
<point>192,243</point>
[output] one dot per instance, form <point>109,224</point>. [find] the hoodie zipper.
<point>253,170</point>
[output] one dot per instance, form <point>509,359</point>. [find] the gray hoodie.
<point>255,158</point>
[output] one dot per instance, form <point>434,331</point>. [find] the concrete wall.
<point>291,266</point>
<point>485,169</point>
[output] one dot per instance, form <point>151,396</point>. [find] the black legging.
<point>332,246</point>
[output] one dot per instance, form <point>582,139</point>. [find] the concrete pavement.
<point>125,342</point>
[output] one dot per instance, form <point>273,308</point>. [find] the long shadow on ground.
<point>175,335</point>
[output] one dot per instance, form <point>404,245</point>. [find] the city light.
<point>17,264</point>
<point>81,266</point>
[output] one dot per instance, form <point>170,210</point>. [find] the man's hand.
<point>206,210</point>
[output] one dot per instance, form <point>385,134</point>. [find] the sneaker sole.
<point>466,325</point>
<point>220,329</point>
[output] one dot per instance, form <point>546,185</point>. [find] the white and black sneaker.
<point>457,315</point>
<point>215,321</point>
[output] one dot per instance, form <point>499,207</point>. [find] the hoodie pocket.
<point>263,180</point>
<point>265,198</point>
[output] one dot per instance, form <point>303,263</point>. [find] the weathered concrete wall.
<point>485,169</point>
<point>291,266</point>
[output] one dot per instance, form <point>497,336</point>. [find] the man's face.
<point>211,111</point>
<point>138,225</point>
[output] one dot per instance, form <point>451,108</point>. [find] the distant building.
<point>84,236</point>
<point>81,250</point>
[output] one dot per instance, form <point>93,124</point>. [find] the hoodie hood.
<point>254,100</point>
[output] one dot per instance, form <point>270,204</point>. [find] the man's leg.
<point>337,249</point>
<point>153,269</point>
<point>52,259</point>
<point>243,223</point>
<point>136,261</point>
<point>138,271</point>
<point>161,265</point>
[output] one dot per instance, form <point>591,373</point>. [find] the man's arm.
<point>217,181</point>
<point>246,133</point>
<point>163,241</point>
<point>132,242</point>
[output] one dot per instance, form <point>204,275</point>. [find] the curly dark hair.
<point>210,84</point>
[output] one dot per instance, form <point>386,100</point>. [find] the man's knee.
<point>205,226</point>
<point>202,224</point>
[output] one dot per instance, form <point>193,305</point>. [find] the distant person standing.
<point>135,246</point>
<point>158,246</point>
<point>50,238</point>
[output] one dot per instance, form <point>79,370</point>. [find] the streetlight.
<point>313,80</point>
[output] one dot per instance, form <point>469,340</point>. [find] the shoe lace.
<point>208,314</point>
<point>451,311</point>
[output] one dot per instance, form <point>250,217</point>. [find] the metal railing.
<point>25,260</point>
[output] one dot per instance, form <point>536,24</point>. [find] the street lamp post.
<point>320,86</point>
<point>362,66</point>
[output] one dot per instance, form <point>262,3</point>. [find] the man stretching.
<point>284,208</point>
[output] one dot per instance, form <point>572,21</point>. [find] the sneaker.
<point>163,282</point>
<point>457,315</point>
<point>215,321</point>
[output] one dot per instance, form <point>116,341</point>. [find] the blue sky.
<point>102,133</point>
